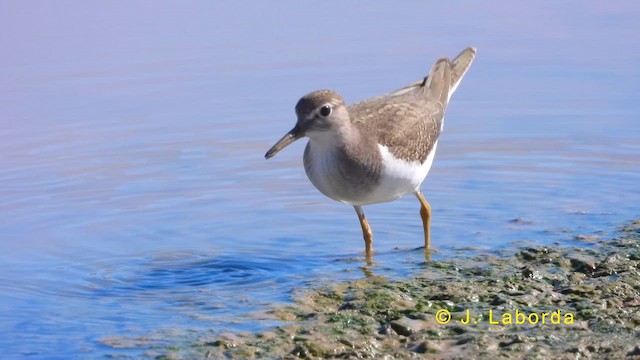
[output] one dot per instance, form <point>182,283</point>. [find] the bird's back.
<point>408,123</point>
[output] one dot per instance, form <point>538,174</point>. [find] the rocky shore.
<point>540,302</point>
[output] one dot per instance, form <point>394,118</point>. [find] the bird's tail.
<point>438,83</point>
<point>459,67</point>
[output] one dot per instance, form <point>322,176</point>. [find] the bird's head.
<point>319,113</point>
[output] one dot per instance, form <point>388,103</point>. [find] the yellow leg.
<point>366,230</point>
<point>425,213</point>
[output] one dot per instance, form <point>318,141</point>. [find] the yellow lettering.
<point>544,317</point>
<point>507,319</point>
<point>555,317</point>
<point>568,318</point>
<point>491,321</point>
<point>533,316</point>
<point>520,318</point>
<point>466,321</point>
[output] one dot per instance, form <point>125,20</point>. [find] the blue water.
<point>135,199</point>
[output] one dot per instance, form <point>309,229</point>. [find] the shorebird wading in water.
<point>379,149</point>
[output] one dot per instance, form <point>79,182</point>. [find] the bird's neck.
<point>335,138</point>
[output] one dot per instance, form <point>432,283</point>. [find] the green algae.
<point>586,303</point>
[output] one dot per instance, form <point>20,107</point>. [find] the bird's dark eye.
<point>325,110</point>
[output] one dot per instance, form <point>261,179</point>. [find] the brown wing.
<point>408,124</point>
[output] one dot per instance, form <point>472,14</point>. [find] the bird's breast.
<point>360,180</point>
<point>323,170</point>
<point>340,173</point>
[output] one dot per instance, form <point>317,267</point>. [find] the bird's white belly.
<point>399,177</point>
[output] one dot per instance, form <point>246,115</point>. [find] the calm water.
<point>135,198</point>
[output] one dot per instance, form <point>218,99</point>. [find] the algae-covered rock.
<point>540,302</point>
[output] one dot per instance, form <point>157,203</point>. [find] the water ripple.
<point>185,271</point>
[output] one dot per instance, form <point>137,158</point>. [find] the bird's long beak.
<point>290,137</point>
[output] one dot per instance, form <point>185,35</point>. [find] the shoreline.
<point>589,299</point>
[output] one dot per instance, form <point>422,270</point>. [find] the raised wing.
<point>459,67</point>
<point>408,124</point>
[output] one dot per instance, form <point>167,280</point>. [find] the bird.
<point>379,149</point>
